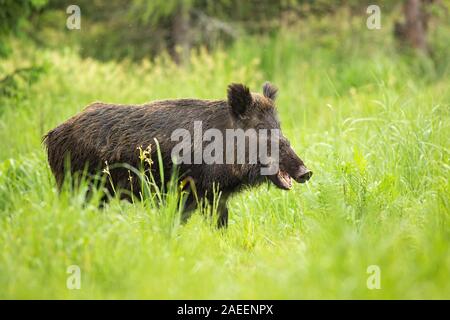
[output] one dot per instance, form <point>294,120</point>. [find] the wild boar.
<point>109,133</point>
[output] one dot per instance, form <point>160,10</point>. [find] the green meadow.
<point>370,120</point>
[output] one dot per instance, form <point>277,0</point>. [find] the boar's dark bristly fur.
<point>108,133</point>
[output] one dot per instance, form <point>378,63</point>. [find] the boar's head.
<point>257,111</point>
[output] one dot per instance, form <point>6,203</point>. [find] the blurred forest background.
<point>121,29</point>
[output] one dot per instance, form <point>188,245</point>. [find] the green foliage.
<point>12,16</point>
<point>372,124</point>
<point>13,12</point>
<point>123,29</point>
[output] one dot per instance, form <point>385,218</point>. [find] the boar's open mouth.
<point>282,180</point>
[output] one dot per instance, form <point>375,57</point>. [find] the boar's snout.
<point>291,167</point>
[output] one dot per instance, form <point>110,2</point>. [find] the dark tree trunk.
<point>181,35</point>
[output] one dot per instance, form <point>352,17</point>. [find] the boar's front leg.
<point>191,205</point>
<point>194,199</point>
<point>222,221</point>
<point>222,212</point>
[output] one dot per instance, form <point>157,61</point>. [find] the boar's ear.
<point>239,98</point>
<point>270,91</point>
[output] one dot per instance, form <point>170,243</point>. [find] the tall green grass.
<point>372,123</point>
